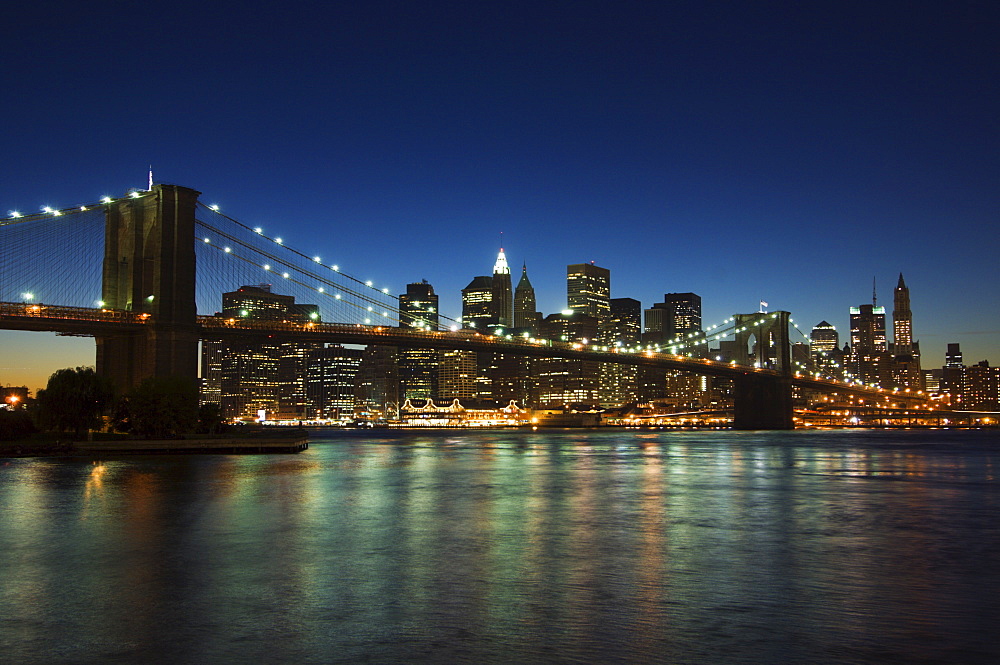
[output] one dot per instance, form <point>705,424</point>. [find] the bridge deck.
<point>98,322</point>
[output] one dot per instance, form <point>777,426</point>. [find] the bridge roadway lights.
<point>762,402</point>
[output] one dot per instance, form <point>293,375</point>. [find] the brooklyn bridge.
<point>141,275</point>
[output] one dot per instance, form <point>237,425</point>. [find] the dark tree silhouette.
<point>74,399</point>
<point>159,407</point>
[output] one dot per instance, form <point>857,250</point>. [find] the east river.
<point>592,546</point>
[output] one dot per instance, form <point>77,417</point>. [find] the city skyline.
<point>684,150</point>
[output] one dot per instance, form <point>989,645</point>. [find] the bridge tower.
<point>149,266</point>
<point>763,401</point>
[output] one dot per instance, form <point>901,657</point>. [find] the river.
<point>589,546</point>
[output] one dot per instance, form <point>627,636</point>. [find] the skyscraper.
<point>331,374</point>
<point>953,374</point>
<point>456,374</point>
<point>869,361</point>
<point>418,368</point>
<point>566,381</point>
<point>418,307</point>
<point>624,321</point>
<point>503,296</point>
<point>619,383</point>
<point>824,348</point>
<point>477,303</point>
<point>525,312</point>
<point>250,377</point>
<point>588,289</point>
<point>905,352</point>
<point>377,384</point>
<point>953,357</point>
<point>823,340</point>
<point>678,316</point>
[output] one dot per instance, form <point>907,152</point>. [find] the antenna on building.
<point>874,294</point>
<point>150,178</point>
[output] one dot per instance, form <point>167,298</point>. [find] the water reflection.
<point>499,547</point>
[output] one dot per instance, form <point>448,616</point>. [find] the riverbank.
<point>253,443</point>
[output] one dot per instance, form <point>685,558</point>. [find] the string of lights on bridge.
<point>13,215</point>
<point>390,313</point>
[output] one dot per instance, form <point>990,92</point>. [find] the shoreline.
<point>230,445</point>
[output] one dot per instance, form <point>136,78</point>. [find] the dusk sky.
<point>783,151</point>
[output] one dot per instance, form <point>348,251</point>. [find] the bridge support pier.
<point>763,402</point>
<point>149,266</point>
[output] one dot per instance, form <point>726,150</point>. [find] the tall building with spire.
<point>503,293</point>
<point>525,312</point>
<point>905,352</point>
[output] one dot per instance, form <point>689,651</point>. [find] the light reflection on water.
<point>571,546</point>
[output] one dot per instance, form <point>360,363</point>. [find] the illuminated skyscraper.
<point>823,340</point>
<point>870,361</point>
<point>905,352</point>
<point>456,374</point>
<point>331,374</point>
<point>588,289</point>
<point>566,381</point>
<point>477,303</point>
<point>618,382</point>
<point>525,312</point>
<point>254,377</point>
<point>503,296</point>
<point>418,368</point>
<point>824,349</point>
<point>624,321</point>
<point>678,316</point>
<point>377,392</point>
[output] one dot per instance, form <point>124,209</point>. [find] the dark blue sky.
<point>781,151</point>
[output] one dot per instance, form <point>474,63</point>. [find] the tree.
<point>15,425</point>
<point>75,399</point>
<point>210,418</point>
<point>159,407</point>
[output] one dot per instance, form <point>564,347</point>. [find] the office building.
<point>525,309</point>
<point>377,395</point>
<point>981,387</point>
<point>674,320</point>
<point>905,352</point>
<point>624,322</point>
<point>870,360</point>
<point>563,382</point>
<point>418,368</point>
<point>477,303</point>
<point>255,380</point>
<point>588,290</point>
<point>622,328</point>
<point>824,350</point>
<point>331,377</point>
<point>456,374</point>
<point>502,302</point>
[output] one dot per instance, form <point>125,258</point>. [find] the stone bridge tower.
<point>763,401</point>
<point>149,266</point>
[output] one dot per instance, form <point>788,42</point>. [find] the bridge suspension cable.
<point>53,256</point>
<point>332,282</point>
